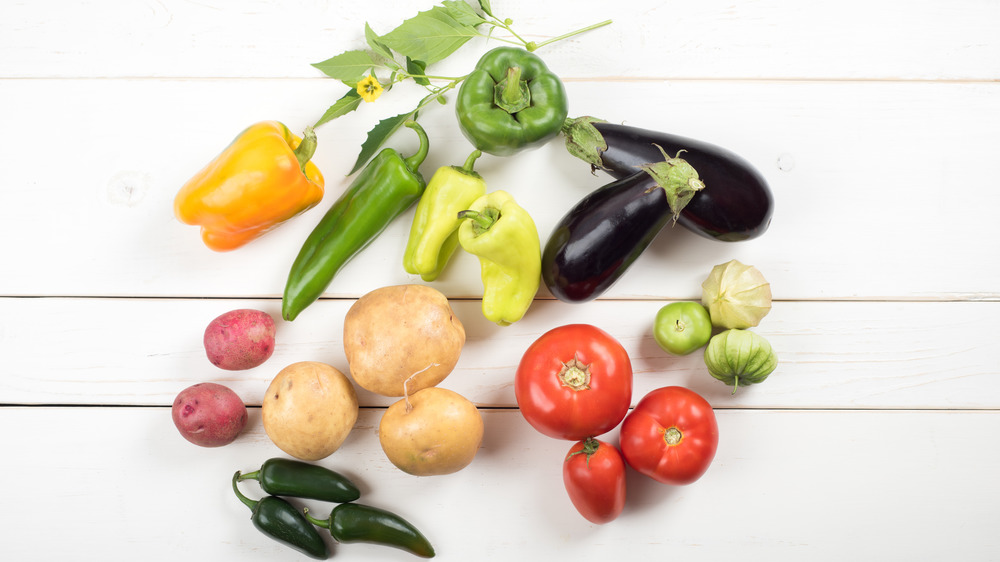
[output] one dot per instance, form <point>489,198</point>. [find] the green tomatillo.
<point>682,327</point>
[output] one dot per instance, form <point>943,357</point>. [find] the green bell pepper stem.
<point>504,238</point>
<point>434,232</point>
<point>280,520</point>
<point>512,94</point>
<point>298,479</point>
<point>353,522</point>
<point>496,127</point>
<point>382,191</point>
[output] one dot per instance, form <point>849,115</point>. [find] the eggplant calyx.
<point>678,179</point>
<point>584,141</point>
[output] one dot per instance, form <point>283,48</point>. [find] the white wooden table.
<point>876,123</point>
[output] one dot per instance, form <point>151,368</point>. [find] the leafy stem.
<point>422,40</point>
<point>507,24</point>
<point>570,34</point>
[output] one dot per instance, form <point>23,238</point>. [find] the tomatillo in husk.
<point>740,357</point>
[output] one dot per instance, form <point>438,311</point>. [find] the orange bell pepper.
<point>262,179</point>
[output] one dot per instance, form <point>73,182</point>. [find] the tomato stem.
<point>575,375</point>
<point>590,446</point>
<point>673,436</point>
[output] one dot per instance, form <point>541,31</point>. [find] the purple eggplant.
<point>736,203</point>
<point>593,245</point>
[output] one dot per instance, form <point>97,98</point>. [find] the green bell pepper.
<point>434,233</point>
<point>504,237</point>
<point>510,102</point>
<point>387,186</point>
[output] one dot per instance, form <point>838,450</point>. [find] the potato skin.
<point>402,332</point>
<point>240,339</point>
<point>209,414</point>
<point>439,434</point>
<point>309,409</point>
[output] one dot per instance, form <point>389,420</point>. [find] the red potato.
<point>240,339</point>
<point>209,414</point>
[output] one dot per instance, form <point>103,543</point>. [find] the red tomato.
<point>594,475</point>
<point>671,435</point>
<point>574,382</point>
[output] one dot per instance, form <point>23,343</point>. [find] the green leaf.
<point>375,42</point>
<point>377,137</point>
<point>463,12</point>
<point>485,6</point>
<point>350,66</point>
<point>430,36</point>
<point>344,105</point>
<point>417,67</point>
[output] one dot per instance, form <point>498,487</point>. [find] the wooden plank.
<point>868,177</point>
<point>649,38</point>
<point>832,355</point>
<point>785,485</point>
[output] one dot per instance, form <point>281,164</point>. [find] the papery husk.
<point>736,295</point>
<point>740,358</point>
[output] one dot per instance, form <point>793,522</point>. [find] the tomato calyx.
<point>672,436</point>
<point>575,374</point>
<point>590,446</point>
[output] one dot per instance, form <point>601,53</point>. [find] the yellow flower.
<point>369,89</point>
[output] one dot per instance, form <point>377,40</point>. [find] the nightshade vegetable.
<point>288,477</point>
<point>510,102</point>
<point>593,245</point>
<point>736,203</point>
<point>738,357</point>
<point>736,295</point>
<point>386,188</point>
<point>281,521</point>
<point>682,327</point>
<point>353,522</point>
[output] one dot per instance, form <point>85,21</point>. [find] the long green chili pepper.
<point>287,477</point>
<point>284,523</point>
<point>387,186</point>
<point>353,522</point>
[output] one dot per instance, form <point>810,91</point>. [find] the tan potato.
<point>309,409</point>
<point>402,334</point>
<point>438,432</point>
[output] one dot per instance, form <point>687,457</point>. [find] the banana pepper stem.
<point>481,221</point>
<point>470,162</point>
